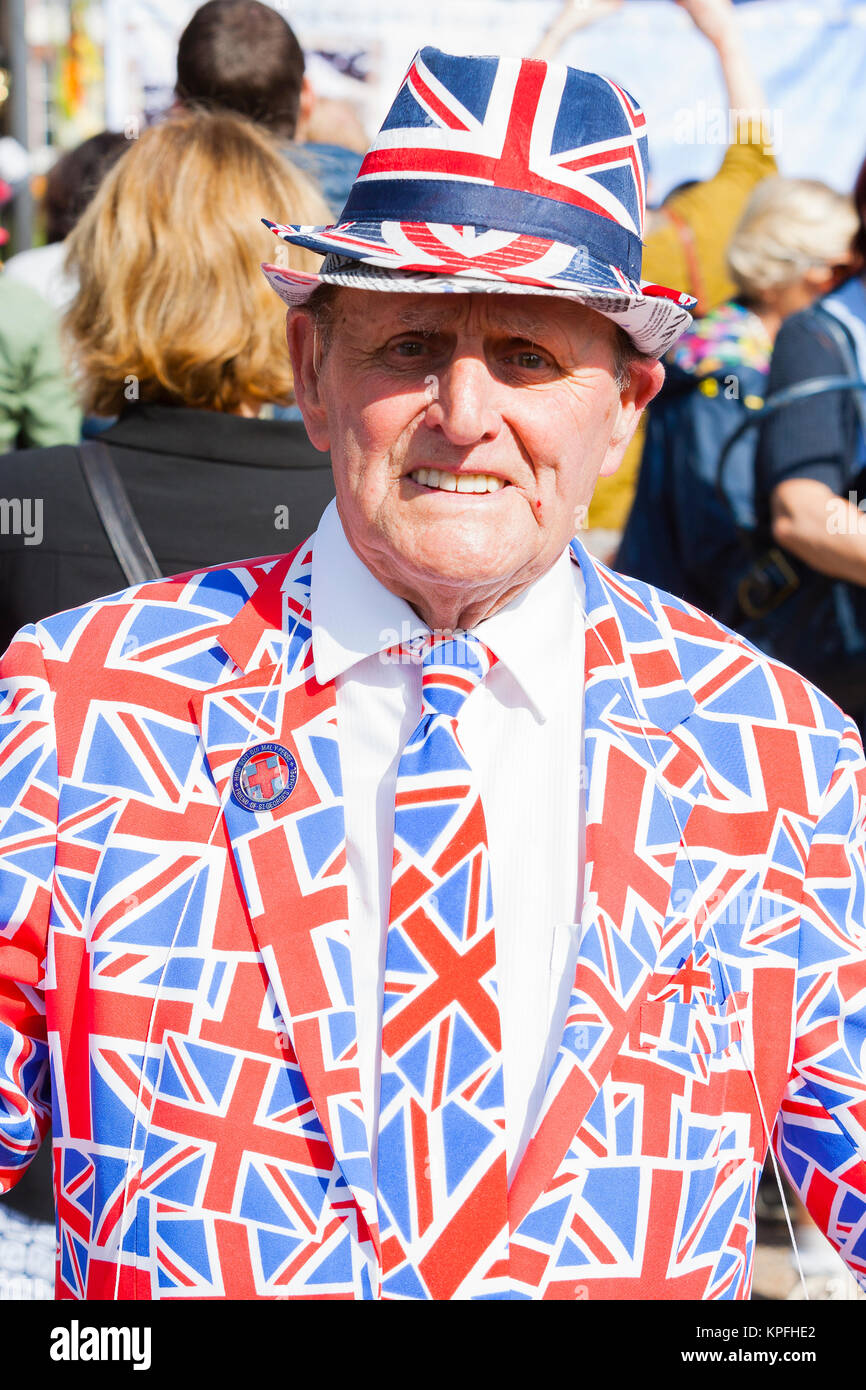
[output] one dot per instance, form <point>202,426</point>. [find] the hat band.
<point>504,209</point>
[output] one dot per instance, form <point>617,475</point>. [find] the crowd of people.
<point>148,403</point>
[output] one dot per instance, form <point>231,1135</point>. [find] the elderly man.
<point>430,913</point>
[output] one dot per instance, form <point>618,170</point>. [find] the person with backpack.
<point>681,535</point>
<point>810,485</point>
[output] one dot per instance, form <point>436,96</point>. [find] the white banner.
<point>811,59</point>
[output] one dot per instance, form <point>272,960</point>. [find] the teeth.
<point>453,482</point>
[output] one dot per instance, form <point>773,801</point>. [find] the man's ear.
<point>646,377</point>
<point>303,350</point>
<point>305,108</point>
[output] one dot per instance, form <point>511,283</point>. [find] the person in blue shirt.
<point>810,479</point>
<point>791,246</point>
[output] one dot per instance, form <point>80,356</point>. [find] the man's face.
<point>466,434</point>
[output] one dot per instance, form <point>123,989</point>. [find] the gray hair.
<point>788,226</point>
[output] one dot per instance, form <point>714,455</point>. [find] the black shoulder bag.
<point>114,509</point>
<point>772,576</point>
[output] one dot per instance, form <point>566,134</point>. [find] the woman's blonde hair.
<point>172,305</point>
<point>788,226</point>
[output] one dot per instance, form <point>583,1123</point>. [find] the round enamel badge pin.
<point>264,777</point>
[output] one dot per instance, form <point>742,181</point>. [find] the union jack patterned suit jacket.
<point>187,971</point>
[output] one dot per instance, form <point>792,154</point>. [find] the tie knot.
<point>451,667</point>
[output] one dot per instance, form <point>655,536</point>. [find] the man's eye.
<point>527,360</point>
<point>411,347</point>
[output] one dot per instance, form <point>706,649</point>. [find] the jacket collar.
<point>630,640</point>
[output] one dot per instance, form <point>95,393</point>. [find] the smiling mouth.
<point>437,480</point>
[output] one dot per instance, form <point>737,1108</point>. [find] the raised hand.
<point>714,18</point>
<point>574,15</point>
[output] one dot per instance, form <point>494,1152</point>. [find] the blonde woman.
<point>174,332</point>
<point>792,244</point>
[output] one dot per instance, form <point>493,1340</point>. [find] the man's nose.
<point>463,401</point>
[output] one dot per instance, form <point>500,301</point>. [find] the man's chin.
<point>455,559</point>
<point>438,587</point>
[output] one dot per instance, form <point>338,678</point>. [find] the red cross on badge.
<point>264,777</point>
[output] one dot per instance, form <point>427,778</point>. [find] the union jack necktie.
<point>442,1187</point>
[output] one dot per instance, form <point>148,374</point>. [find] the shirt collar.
<point>354,616</point>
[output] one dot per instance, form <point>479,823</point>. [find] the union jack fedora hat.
<point>500,174</point>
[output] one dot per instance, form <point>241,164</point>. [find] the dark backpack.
<point>682,535</point>
<point>696,527</point>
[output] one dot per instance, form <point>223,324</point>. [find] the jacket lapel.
<point>291,860</point>
<point>641,779</point>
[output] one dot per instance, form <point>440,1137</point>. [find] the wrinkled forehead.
<point>533,317</point>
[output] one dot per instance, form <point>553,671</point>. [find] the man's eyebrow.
<point>515,323</point>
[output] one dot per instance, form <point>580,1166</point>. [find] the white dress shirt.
<point>521,732</point>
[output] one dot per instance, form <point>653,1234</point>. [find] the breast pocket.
<point>700,1027</point>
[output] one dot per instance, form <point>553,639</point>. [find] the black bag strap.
<point>119,521</point>
<point>842,338</point>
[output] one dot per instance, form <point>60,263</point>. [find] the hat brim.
<point>429,258</point>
